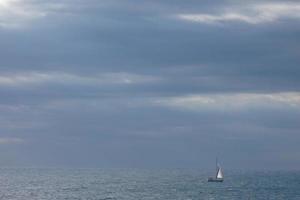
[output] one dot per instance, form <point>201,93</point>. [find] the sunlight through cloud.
<point>18,13</point>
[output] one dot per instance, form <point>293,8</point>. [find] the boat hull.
<point>217,180</point>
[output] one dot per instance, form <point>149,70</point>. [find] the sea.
<point>142,184</point>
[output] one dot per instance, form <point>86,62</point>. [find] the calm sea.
<point>131,184</point>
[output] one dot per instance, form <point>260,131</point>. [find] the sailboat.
<point>219,174</point>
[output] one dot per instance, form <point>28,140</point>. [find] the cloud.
<point>18,13</point>
<point>251,14</point>
<point>231,101</point>
<point>39,78</point>
<point>11,140</point>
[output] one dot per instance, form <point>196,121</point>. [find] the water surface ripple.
<point>133,184</point>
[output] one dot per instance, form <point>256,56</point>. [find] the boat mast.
<point>217,168</point>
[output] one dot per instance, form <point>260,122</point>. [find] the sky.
<point>142,84</point>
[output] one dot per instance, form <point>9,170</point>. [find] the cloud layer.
<point>234,101</point>
<point>251,14</point>
<point>37,78</point>
<point>149,83</point>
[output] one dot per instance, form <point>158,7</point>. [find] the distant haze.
<point>89,83</point>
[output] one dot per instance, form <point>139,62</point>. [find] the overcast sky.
<point>133,83</point>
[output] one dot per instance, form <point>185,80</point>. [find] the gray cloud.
<point>127,83</point>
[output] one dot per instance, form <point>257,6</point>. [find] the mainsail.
<point>219,173</point>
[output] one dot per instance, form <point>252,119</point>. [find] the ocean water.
<point>133,184</point>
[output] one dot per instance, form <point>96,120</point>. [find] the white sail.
<point>220,174</point>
